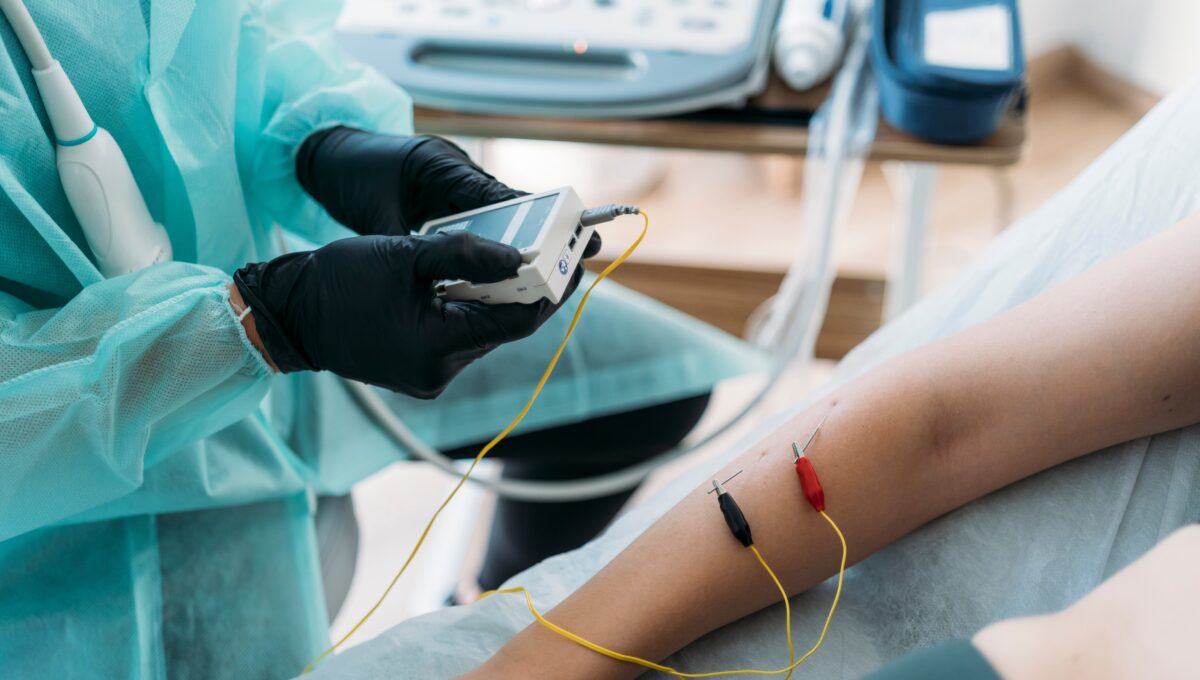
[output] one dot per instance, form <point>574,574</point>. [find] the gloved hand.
<point>382,184</point>
<point>365,308</point>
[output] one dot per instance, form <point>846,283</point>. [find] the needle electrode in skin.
<point>721,485</point>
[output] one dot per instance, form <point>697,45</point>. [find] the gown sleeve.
<point>125,373</point>
<point>312,85</point>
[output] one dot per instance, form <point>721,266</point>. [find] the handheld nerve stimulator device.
<point>548,228</point>
<point>95,175</point>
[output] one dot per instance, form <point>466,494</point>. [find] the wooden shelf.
<point>753,136</point>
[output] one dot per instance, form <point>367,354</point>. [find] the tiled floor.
<point>717,208</point>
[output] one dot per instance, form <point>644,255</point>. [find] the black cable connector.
<point>734,518</point>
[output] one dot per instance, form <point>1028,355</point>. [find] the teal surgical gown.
<point>155,476</point>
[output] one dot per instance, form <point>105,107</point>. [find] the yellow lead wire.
<point>492,444</point>
<point>787,608</point>
<point>837,594</point>
<point>618,656</point>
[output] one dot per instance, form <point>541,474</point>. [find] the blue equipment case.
<point>948,70</point>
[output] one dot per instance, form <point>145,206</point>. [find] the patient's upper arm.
<point>1111,355</point>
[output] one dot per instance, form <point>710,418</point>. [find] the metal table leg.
<point>913,184</point>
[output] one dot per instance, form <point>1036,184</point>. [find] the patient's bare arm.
<point>1109,356</point>
<point>1140,623</point>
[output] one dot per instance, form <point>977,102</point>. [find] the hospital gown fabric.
<point>125,399</point>
<point>1031,548</point>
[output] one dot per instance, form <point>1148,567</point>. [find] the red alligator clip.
<point>810,484</point>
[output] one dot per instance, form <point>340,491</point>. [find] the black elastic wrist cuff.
<point>284,354</point>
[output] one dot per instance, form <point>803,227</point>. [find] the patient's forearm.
<point>878,458</point>
<point>1104,358</point>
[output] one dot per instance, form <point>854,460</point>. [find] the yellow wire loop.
<point>787,607</point>
<point>492,444</point>
<point>618,656</point>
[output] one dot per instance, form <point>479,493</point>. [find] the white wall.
<point>1046,24</point>
<point>1154,44</point>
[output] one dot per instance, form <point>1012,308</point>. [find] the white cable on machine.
<point>840,132</point>
<point>27,33</point>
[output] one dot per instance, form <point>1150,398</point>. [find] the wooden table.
<point>752,137</point>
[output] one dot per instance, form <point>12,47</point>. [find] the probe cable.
<point>492,444</point>
<point>741,530</point>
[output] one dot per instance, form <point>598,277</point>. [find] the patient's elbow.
<point>945,431</point>
<point>903,415</point>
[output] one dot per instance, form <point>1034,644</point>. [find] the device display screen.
<point>517,225</point>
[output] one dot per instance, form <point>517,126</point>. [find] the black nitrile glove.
<point>383,184</point>
<point>365,308</point>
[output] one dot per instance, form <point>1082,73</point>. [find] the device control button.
<point>564,260</point>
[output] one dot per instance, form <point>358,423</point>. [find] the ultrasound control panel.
<point>584,58</point>
<point>699,26</point>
